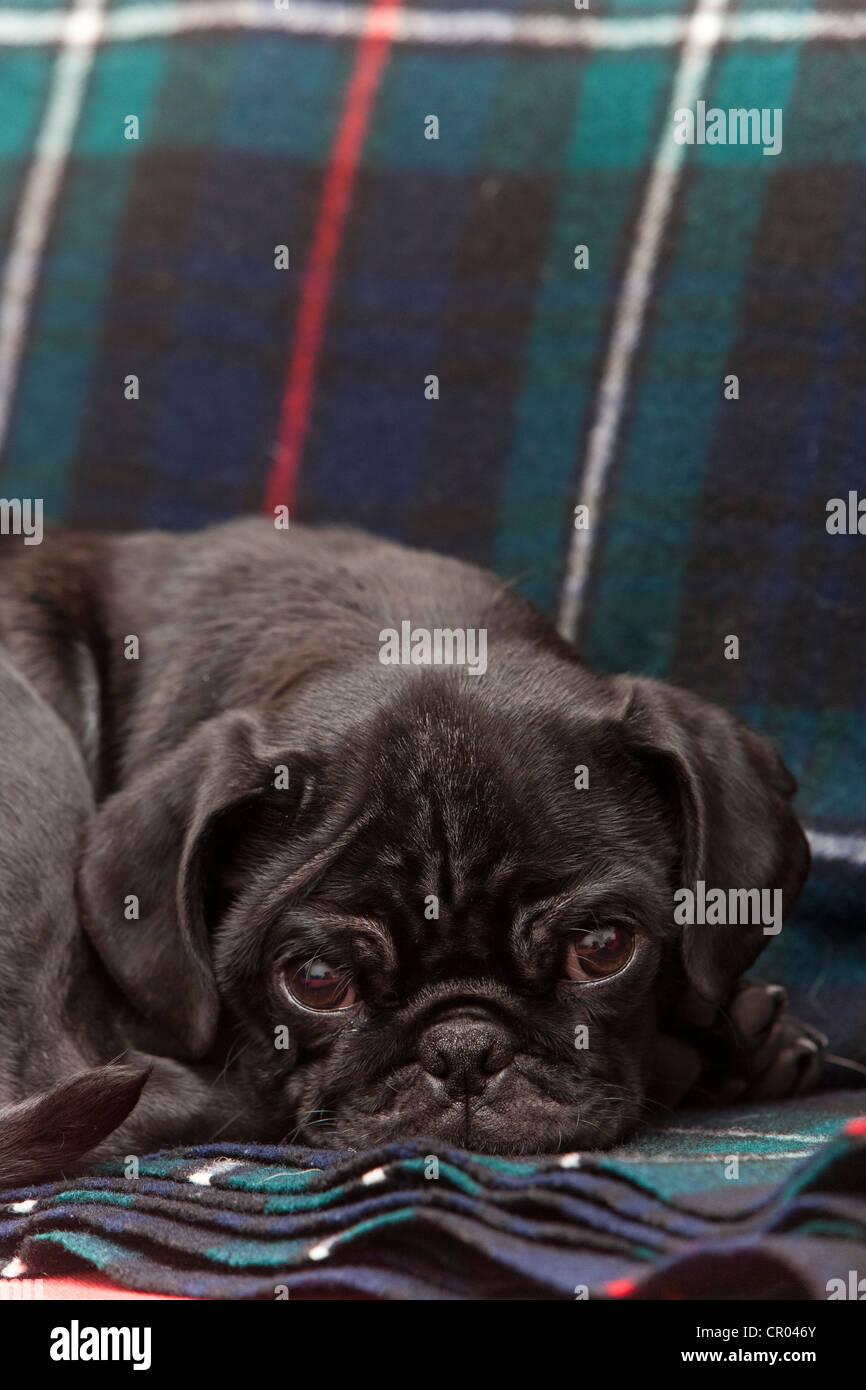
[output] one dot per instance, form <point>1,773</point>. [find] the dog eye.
<point>599,952</point>
<point>316,984</point>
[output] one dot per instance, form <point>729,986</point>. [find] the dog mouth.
<point>517,1112</point>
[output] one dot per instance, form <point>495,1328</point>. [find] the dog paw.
<point>772,1053</point>
<point>751,1049</point>
<point>756,1050</point>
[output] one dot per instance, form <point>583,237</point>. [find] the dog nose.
<point>463,1055</point>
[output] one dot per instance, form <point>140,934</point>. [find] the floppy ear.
<point>148,843</point>
<point>738,830</point>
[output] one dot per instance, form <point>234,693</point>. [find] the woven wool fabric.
<point>667,1217</point>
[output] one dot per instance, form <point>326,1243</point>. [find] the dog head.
<point>450,913</point>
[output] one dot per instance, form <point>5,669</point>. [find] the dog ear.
<point>737,826</point>
<point>147,854</point>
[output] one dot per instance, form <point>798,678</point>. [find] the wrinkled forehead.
<point>468,810</point>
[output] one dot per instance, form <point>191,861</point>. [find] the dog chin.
<point>515,1119</point>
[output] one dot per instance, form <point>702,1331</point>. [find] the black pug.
<point>305,835</point>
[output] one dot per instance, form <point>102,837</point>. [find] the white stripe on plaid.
<point>705,31</point>
<point>415,25</point>
<point>841,849</point>
<point>723,1157</point>
<point>737,1132</point>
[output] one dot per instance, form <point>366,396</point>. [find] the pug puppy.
<point>309,836</point>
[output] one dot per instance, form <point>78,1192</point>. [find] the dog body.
<point>330,896</point>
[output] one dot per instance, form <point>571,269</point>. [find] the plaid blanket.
<point>767,1204</point>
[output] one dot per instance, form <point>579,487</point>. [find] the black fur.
<point>155,777</point>
<point>50,1132</point>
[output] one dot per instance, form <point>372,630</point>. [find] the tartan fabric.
<point>664,1219</point>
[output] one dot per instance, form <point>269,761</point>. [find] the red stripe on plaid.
<point>621,1288</point>
<point>372,57</point>
<point>83,1287</point>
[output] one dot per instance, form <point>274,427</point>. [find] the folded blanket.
<point>766,1203</point>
